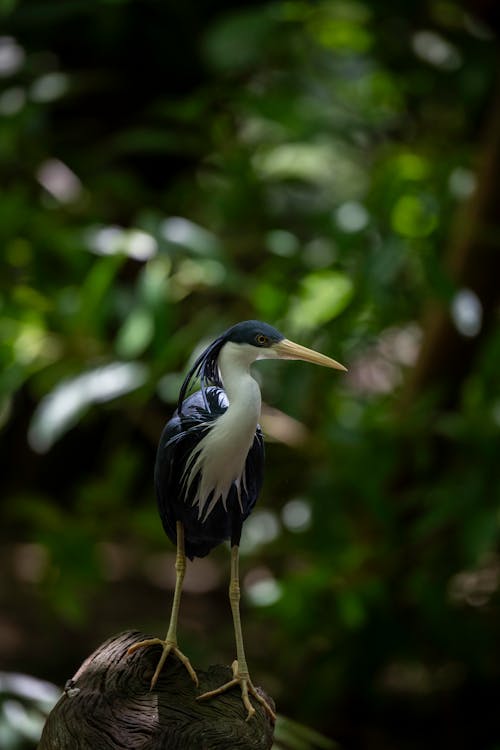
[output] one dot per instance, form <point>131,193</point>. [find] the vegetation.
<point>171,168</point>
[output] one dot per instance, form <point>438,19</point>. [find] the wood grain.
<point>108,705</point>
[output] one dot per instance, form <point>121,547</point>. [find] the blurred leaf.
<point>291,735</point>
<point>6,6</point>
<point>323,296</point>
<point>63,407</point>
<point>238,39</point>
<point>95,291</point>
<point>414,215</point>
<point>136,333</point>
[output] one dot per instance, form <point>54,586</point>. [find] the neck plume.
<point>220,456</point>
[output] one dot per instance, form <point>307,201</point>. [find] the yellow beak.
<point>286,349</point>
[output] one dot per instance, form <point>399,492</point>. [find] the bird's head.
<point>255,340</point>
<point>262,341</point>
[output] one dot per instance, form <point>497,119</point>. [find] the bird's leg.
<point>170,642</point>
<point>241,675</point>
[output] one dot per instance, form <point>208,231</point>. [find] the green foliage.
<point>167,173</point>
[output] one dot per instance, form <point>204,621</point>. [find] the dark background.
<point>168,169</point>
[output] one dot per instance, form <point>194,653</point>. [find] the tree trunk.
<point>108,706</point>
<point>472,261</point>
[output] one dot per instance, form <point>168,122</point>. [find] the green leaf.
<point>323,296</point>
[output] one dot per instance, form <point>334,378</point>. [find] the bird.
<point>209,471</point>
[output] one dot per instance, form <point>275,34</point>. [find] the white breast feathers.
<point>220,456</point>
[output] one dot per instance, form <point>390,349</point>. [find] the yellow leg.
<point>170,642</point>
<point>241,675</point>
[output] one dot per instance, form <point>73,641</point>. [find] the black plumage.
<point>189,424</point>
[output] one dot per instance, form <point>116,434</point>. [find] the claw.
<point>246,687</point>
<point>169,647</point>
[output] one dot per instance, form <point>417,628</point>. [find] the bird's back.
<point>177,497</point>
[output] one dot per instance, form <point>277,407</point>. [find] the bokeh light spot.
<point>414,216</point>
<point>467,312</point>
<point>352,217</point>
<point>297,515</point>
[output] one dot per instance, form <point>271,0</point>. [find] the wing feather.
<point>181,435</point>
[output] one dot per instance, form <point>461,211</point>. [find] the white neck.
<point>241,388</point>
<point>221,455</point>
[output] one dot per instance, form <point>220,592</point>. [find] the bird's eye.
<point>261,340</point>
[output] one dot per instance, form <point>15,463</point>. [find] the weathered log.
<point>108,705</point>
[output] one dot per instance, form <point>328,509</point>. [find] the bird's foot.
<point>169,647</point>
<point>247,688</point>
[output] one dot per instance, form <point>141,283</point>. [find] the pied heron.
<point>209,470</point>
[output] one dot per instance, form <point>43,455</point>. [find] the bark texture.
<point>108,705</point>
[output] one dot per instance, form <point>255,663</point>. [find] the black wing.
<point>179,438</point>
